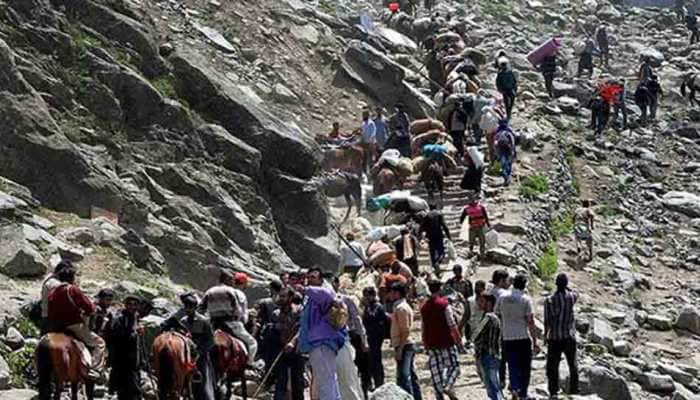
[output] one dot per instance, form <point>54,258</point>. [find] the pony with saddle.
<point>62,360</point>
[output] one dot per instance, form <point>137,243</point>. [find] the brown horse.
<point>385,181</point>
<point>230,360</point>
<point>348,159</point>
<point>433,179</point>
<point>59,362</point>
<point>173,366</point>
<point>339,183</point>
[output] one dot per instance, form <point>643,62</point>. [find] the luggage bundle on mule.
<point>431,137</point>
<point>392,159</point>
<point>397,201</point>
<point>424,125</point>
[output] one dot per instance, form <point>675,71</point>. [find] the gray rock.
<point>622,348</point>
<point>18,257</point>
<point>82,235</point>
<point>660,322</point>
<point>396,40</point>
<point>229,151</point>
<point>657,383</point>
<point>602,333</point>
<point>18,394</point>
<point>125,288</point>
<point>284,94</point>
<point>676,373</point>
<point>390,391</point>
<point>501,256</point>
<point>4,374</point>
<point>606,383</point>
<point>568,105</point>
<point>14,339</point>
<point>683,202</point>
<point>689,320</point>
<point>216,38</point>
<point>10,205</point>
<point>682,393</point>
<point>305,33</point>
<point>505,227</point>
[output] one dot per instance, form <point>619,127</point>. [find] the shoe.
<point>450,392</point>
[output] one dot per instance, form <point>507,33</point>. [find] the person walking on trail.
<point>585,62</point>
<point>473,174</point>
<point>352,256</point>
<point>487,346</point>
<point>50,283</point>
<point>441,338</point>
<point>560,335</point>
<point>501,281</point>
<point>691,22</point>
<point>197,327</point>
<point>268,337</point>
<point>583,228</point>
<point>368,140</point>
<point>507,85</point>
<point>292,363</point>
<point>457,126</point>
<point>519,337</point>
<point>376,322</point>
<point>601,38</point>
<point>619,106</point>
<point>505,150</point>
<point>407,249</point>
<point>475,311</point>
<point>478,222</point>
<point>399,124</point>
<point>68,307</point>
<point>319,339</point>
<point>125,355</point>
<point>404,349</point>
<point>459,284</point>
<point>435,230</point>
<point>358,337</point>
<point>381,126</point>
<point>100,320</point>
<point>600,114</point>
<point>224,305</point>
<point>645,70</point>
<point>548,68</point>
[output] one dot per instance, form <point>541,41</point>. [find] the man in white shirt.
<point>518,331</point>
<point>352,256</point>
<point>368,140</point>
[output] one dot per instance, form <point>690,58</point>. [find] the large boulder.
<point>657,383</point>
<point>606,383</point>
<point>398,42</point>
<point>683,202</point>
<point>390,391</point>
<point>689,320</point>
<point>4,374</point>
<point>18,256</point>
<point>383,79</point>
<point>602,333</point>
<point>230,151</point>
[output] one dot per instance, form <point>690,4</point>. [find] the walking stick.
<point>272,367</point>
<point>337,231</point>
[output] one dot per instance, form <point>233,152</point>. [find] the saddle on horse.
<point>70,358</point>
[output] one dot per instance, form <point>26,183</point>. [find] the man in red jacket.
<point>478,222</point>
<point>68,309</point>
<point>441,337</point>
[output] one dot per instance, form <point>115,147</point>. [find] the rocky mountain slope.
<point>155,141</point>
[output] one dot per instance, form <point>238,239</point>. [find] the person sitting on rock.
<point>188,321</point>
<point>68,307</point>
<point>583,227</point>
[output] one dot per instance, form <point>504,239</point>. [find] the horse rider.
<point>68,308</point>
<point>187,320</point>
<point>223,302</point>
<point>126,355</point>
<point>50,283</point>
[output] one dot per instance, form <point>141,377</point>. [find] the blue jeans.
<point>506,161</point>
<point>405,373</point>
<point>489,368</point>
<point>519,356</point>
<point>437,253</point>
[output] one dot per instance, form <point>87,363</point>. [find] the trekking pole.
<point>273,365</point>
<point>337,231</point>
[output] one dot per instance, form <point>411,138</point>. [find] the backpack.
<point>468,107</point>
<point>338,314</point>
<point>504,140</point>
<point>506,80</point>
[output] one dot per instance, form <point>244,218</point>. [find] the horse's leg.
<point>74,391</point>
<point>244,386</point>
<point>229,390</point>
<point>90,390</point>
<point>348,201</point>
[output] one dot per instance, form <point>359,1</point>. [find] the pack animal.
<point>230,360</point>
<point>348,159</point>
<point>346,184</point>
<point>691,85</point>
<point>59,362</point>
<point>433,179</point>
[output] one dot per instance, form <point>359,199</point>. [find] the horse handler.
<point>125,356</point>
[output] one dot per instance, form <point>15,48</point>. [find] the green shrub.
<point>494,169</point>
<point>562,225</point>
<point>548,264</point>
<point>26,327</point>
<point>165,86</point>
<point>21,363</point>
<point>533,185</point>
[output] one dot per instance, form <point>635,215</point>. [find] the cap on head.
<point>63,264</point>
<point>132,297</point>
<point>457,268</point>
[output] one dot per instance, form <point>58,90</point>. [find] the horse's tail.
<point>44,369</point>
<point>166,373</point>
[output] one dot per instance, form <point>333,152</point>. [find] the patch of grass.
<point>494,169</point>
<point>165,84</point>
<point>496,8</point>
<point>548,263</point>
<point>26,327</point>
<point>533,185</point>
<point>21,363</point>
<point>562,225</point>
<point>608,211</point>
<point>570,158</point>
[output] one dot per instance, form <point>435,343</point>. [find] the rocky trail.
<point>155,142</point>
